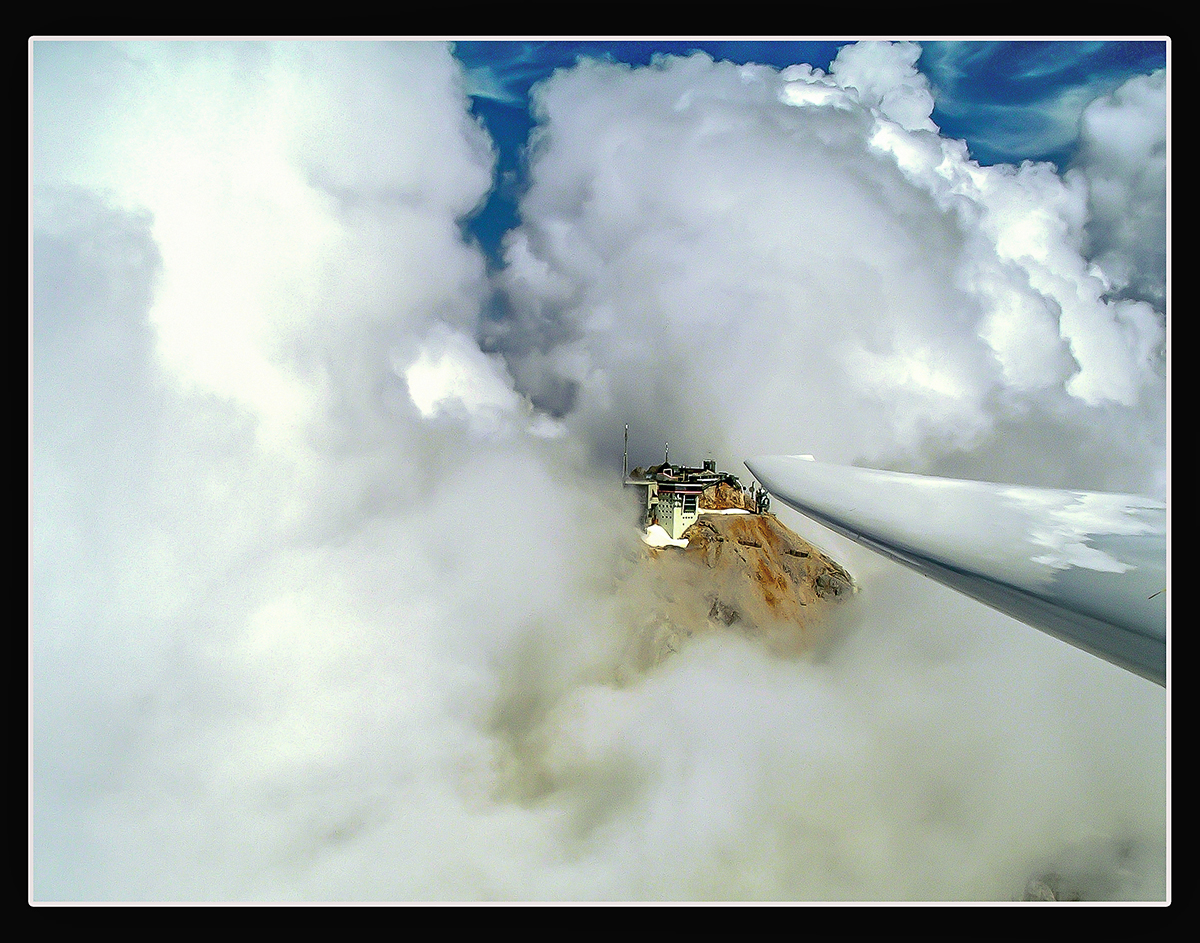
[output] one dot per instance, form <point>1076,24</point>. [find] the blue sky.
<point>1010,100</point>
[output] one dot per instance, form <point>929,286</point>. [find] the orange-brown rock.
<point>746,573</point>
<point>723,496</point>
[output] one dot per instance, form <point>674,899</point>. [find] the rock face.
<point>746,573</point>
<point>723,496</point>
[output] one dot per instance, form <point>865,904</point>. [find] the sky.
<point>331,344</point>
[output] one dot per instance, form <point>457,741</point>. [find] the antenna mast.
<point>625,463</point>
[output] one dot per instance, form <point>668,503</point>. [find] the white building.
<point>673,495</point>
<point>673,491</point>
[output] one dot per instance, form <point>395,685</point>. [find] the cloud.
<point>706,240</point>
<point>324,572</point>
<point>1123,157</point>
<point>885,76</point>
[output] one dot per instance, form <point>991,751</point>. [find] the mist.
<point>327,556</point>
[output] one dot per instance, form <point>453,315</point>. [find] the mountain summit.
<point>734,570</point>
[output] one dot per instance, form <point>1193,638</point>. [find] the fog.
<point>327,537</point>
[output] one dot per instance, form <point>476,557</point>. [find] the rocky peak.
<point>725,496</point>
<point>742,572</point>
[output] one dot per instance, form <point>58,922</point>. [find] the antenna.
<point>625,463</point>
<point>667,454</point>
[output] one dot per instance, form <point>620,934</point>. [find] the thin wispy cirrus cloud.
<point>326,523</point>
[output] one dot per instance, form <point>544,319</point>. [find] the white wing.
<point>1087,567</point>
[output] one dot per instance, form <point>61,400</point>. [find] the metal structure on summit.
<point>673,492</point>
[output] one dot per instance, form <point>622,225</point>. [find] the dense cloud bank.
<point>321,567</point>
<point>1123,156</point>
<point>801,262</point>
